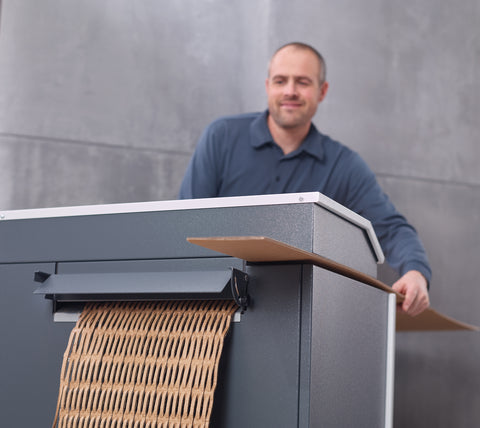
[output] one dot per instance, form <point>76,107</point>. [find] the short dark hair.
<point>304,46</point>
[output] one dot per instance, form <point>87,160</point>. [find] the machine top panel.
<point>181,204</point>
<point>192,204</point>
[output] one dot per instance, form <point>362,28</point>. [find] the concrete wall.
<point>103,101</point>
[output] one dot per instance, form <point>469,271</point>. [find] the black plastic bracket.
<point>239,285</point>
<point>40,276</point>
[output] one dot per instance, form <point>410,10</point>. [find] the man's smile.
<point>291,104</point>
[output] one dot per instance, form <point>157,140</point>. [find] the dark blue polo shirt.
<point>236,156</point>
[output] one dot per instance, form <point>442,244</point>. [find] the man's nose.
<point>291,88</point>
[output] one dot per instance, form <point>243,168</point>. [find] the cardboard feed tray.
<point>262,249</point>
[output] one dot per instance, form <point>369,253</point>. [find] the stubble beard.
<point>289,119</point>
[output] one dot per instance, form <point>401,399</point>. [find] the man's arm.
<point>399,240</point>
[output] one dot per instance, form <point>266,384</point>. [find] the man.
<point>281,151</point>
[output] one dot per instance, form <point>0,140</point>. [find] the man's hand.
<point>414,286</point>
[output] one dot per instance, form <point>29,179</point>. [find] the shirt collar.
<point>261,136</point>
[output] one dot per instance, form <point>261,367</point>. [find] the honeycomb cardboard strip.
<point>142,364</point>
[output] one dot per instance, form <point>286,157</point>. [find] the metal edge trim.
<point>355,219</point>
<point>390,360</point>
<point>172,205</point>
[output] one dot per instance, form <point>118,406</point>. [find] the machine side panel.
<point>305,386</point>
<point>342,241</point>
<point>349,353</point>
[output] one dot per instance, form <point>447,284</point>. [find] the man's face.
<point>293,87</point>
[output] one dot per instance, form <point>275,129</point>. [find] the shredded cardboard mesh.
<point>143,364</point>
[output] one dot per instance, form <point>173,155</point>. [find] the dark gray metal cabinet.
<point>314,349</point>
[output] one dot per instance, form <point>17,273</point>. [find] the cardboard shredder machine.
<point>308,347</point>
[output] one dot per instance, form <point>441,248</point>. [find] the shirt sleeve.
<point>399,239</point>
<point>202,177</point>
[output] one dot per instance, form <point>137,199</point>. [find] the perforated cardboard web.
<point>143,364</point>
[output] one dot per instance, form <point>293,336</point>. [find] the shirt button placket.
<point>278,178</point>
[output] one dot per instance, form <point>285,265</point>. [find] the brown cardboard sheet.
<point>262,249</point>
<point>143,364</point>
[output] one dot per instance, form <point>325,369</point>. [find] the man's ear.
<point>323,91</point>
